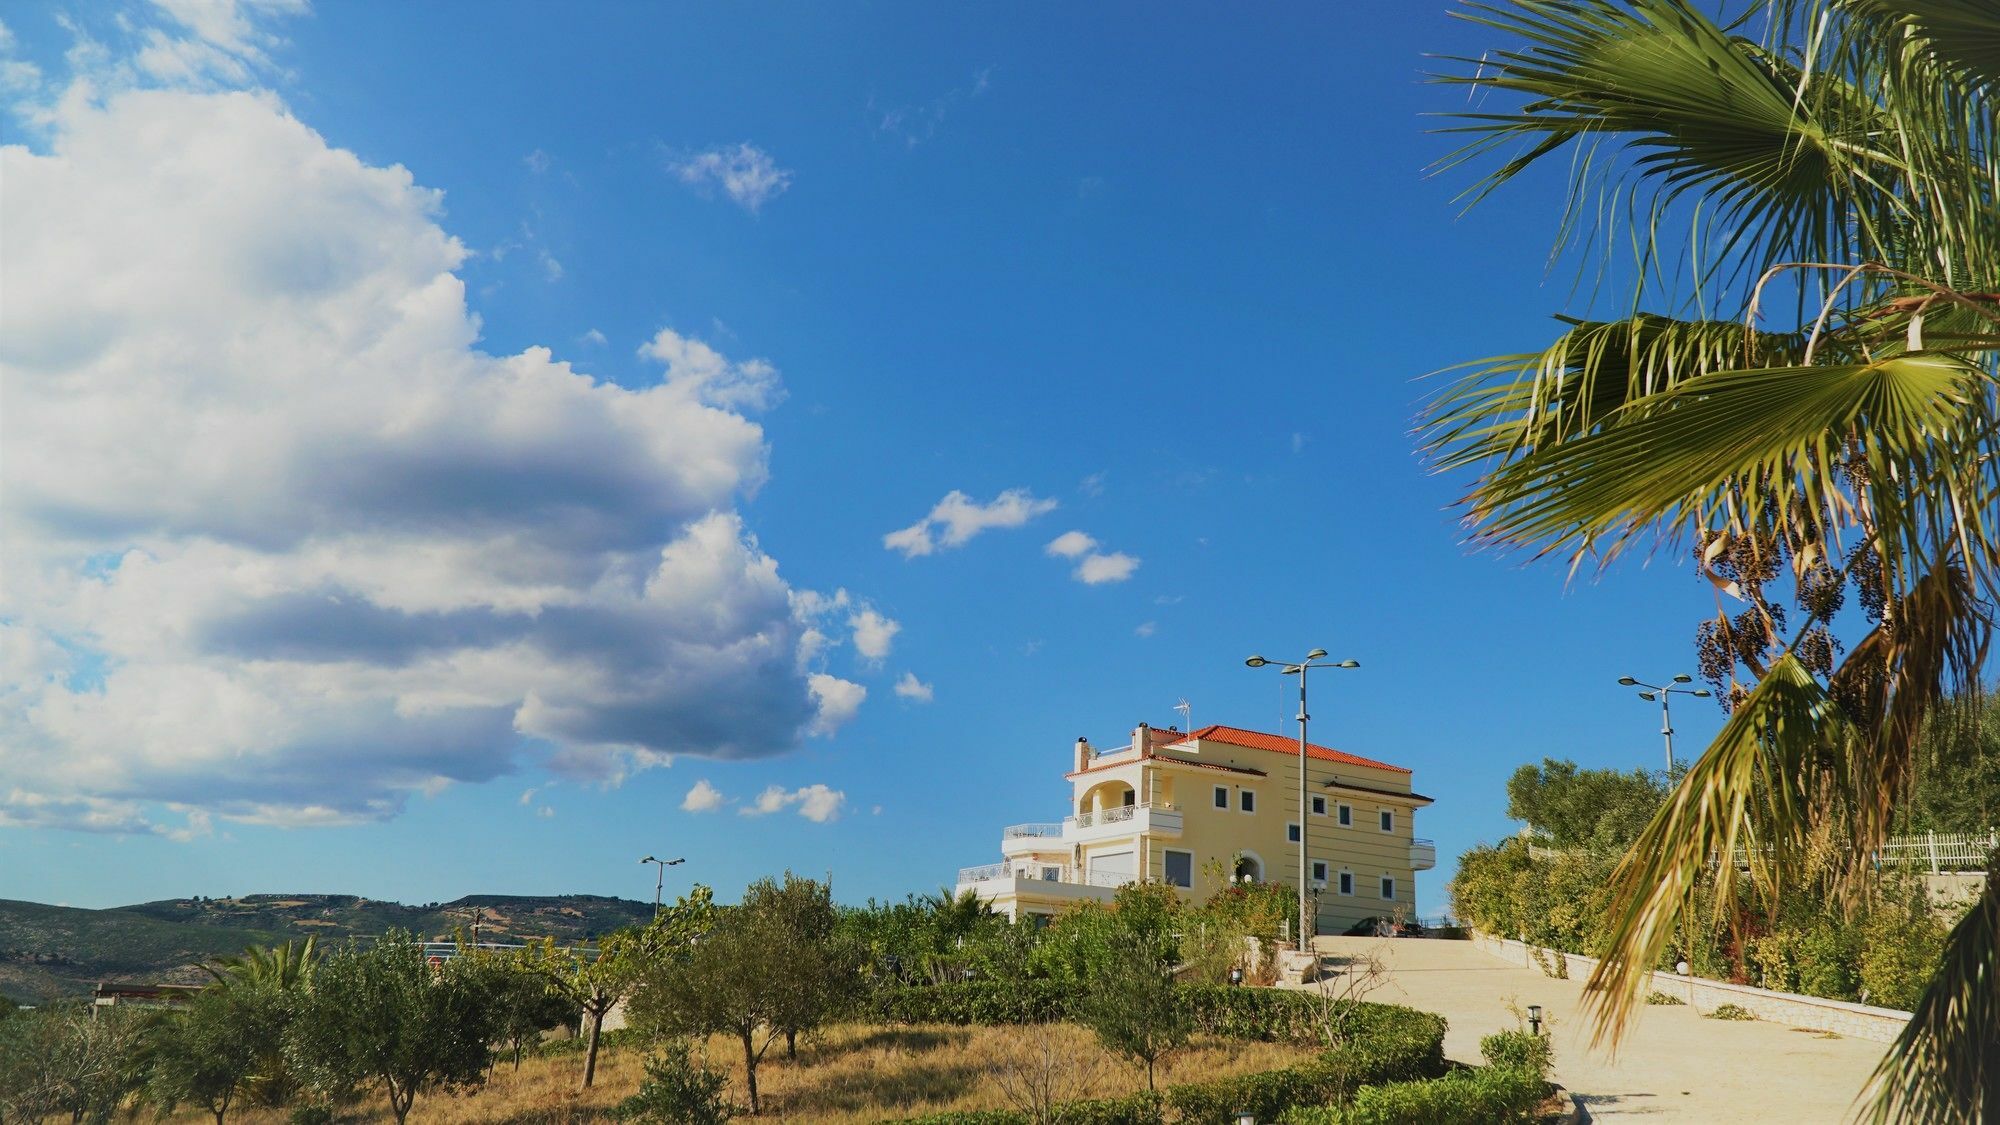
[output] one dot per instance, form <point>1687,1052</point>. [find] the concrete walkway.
<point>1674,1065</point>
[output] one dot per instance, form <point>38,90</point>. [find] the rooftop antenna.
<point>1187,715</point>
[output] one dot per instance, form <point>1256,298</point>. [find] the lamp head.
<point>1534,1011</point>
<point>1316,654</point>
<point>1348,664</point>
<point>1648,696</point>
<point>649,859</point>
<point>1628,681</point>
<point>1701,693</point>
<point>676,862</point>
<point>1683,678</point>
<point>1256,662</point>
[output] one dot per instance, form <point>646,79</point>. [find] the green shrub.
<point>1485,1095</point>
<point>1730,1012</point>
<point>1388,1045</point>
<point>1900,950</point>
<point>1658,997</point>
<point>1520,1050</point>
<point>677,1091</point>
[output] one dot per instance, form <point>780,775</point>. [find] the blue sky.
<point>1178,271</point>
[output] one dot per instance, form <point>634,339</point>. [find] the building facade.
<point>1193,810</point>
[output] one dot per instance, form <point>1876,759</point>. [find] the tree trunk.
<point>750,1073</point>
<point>590,1052</point>
<point>1149,1076</point>
<point>792,1043</point>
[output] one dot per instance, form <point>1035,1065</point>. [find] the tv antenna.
<point>1187,715</point>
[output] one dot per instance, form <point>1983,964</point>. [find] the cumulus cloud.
<point>1146,629</point>
<point>836,701</point>
<point>285,546</point>
<point>703,797</point>
<point>1070,544</point>
<point>954,520</point>
<point>743,172</point>
<point>914,689</point>
<point>816,803</point>
<point>1096,569</point>
<point>699,370</point>
<point>873,633</point>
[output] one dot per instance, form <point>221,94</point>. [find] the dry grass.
<point>847,1076</point>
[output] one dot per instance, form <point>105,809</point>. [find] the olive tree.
<point>382,1014</point>
<point>205,1052</point>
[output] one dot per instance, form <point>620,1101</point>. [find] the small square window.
<point>1389,887</point>
<point>1247,800</point>
<point>1292,833</point>
<point>1222,796</point>
<point>1051,874</point>
<point>1319,806</point>
<point>1347,882</point>
<point>1388,821</point>
<point>1346,816</point>
<point>1319,872</point>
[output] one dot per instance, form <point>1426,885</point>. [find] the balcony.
<point>1019,840</point>
<point>1057,881</point>
<point>1157,818</point>
<point>1423,854</point>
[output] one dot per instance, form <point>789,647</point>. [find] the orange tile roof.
<point>1280,744</point>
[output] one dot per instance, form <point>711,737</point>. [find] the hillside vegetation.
<point>51,951</point>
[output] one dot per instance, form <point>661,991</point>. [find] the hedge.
<point>1510,1089</point>
<point>1267,1014</point>
<point>1390,1045</point>
<point>1134,1109</point>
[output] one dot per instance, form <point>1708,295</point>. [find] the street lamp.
<point>661,882</point>
<point>1308,924</point>
<point>1666,720</point>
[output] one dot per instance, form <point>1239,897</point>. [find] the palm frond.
<point>1750,790</point>
<point>1945,1066</point>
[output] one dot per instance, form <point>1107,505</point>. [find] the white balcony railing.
<point>1043,873</point>
<point>1126,814</point>
<point>1030,831</point>
<point>1423,854</point>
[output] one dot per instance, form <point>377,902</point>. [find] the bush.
<point>1390,1045</point>
<point>677,1091</point>
<point>1520,1050</point>
<point>1658,997</point>
<point>1730,1012</point>
<point>1900,949</point>
<point>1486,1095</point>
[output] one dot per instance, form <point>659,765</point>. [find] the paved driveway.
<point>1673,1066</point>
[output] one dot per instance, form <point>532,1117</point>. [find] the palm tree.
<point>265,981</point>
<point>279,967</point>
<point>1796,209</point>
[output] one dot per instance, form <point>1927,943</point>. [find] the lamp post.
<point>1308,925</point>
<point>1666,719</point>
<point>661,882</point>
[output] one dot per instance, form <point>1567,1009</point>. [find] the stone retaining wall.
<point>1859,1021</point>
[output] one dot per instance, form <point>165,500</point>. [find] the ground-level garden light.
<point>1245,1117</point>
<point>1535,1018</point>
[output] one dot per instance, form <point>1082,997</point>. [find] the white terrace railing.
<point>1935,852</point>
<point>1026,831</point>
<point>1118,814</point>
<point>1041,872</point>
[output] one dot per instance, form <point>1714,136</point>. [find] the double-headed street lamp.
<point>1666,719</point>
<point>660,883</point>
<point>1308,923</point>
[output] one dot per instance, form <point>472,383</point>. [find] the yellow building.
<point>1182,809</point>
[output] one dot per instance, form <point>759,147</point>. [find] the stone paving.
<point>1674,1065</point>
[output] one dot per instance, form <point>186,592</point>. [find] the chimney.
<point>1142,739</point>
<point>1082,754</point>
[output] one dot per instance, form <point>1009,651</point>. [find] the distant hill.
<point>51,951</point>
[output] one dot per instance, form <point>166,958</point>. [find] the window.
<point>1179,868</point>
<point>1292,833</point>
<point>1346,883</point>
<point>1319,806</point>
<point>1319,872</point>
<point>1346,816</point>
<point>1222,796</point>
<point>1051,874</point>
<point>1388,820</point>
<point>1246,800</point>
<point>1389,887</point>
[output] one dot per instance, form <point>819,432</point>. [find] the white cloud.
<point>552,270</point>
<point>1147,629</point>
<point>594,338</point>
<point>837,701</point>
<point>286,547</point>
<point>545,812</point>
<point>912,688</point>
<point>1070,544</point>
<point>702,798</point>
<point>954,520</point>
<point>874,634</point>
<point>816,802</point>
<point>538,161</point>
<point>1095,569</point>
<point>744,172</point>
<point>1092,485</point>
<point>699,370</point>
